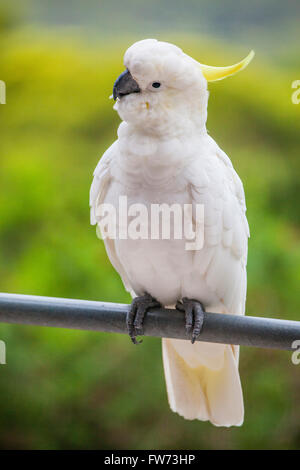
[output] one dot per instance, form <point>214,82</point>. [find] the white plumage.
<point>164,155</point>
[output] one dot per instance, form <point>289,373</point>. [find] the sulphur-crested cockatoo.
<point>164,155</point>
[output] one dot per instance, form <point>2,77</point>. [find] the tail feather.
<point>208,391</point>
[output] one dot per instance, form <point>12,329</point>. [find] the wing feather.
<point>223,258</point>
<point>100,185</point>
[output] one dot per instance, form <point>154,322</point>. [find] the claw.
<point>136,315</point>
<point>194,316</point>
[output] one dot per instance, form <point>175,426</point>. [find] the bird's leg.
<point>136,314</point>
<point>194,316</point>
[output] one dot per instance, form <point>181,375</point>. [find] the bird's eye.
<point>155,84</point>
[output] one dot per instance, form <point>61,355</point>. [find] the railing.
<point>166,323</point>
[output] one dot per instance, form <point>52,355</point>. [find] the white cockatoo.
<point>164,155</point>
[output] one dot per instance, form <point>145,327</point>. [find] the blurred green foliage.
<point>69,389</point>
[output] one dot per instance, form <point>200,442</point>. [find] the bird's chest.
<point>148,172</point>
<point>149,239</point>
<point>149,193</point>
<point>147,209</point>
<point>152,163</point>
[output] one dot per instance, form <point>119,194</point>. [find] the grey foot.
<point>194,316</point>
<point>135,317</point>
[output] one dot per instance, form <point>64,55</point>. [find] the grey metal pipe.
<point>166,323</point>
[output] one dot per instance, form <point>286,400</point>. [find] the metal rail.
<point>165,323</point>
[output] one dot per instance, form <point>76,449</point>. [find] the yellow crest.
<point>213,74</point>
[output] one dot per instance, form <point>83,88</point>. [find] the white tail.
<point>203,381</point>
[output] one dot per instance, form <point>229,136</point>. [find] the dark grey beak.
<point>124,85</point>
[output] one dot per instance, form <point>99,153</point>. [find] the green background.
<point>82,390</point>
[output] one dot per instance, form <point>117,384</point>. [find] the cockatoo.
<point>164,155</point>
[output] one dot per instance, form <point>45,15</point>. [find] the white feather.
<point>164,155</point>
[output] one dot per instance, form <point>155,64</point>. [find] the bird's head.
<point>162,88</point>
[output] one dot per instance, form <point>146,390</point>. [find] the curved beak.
<point>124,85</point>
